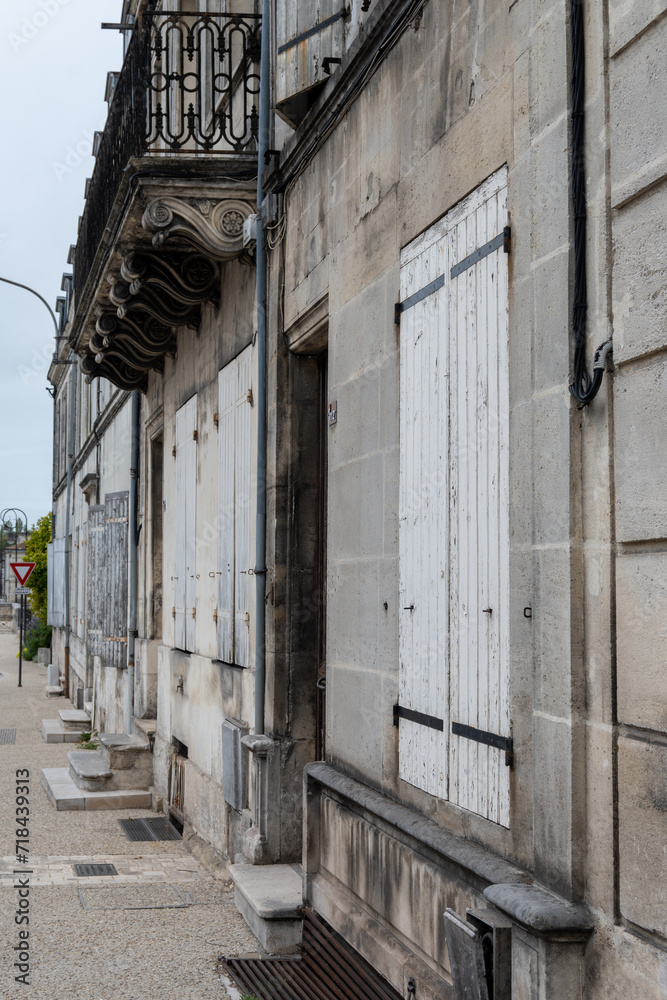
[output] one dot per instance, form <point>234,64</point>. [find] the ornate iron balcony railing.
<point>189,86</point>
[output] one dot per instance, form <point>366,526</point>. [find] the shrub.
<point>37,634</point>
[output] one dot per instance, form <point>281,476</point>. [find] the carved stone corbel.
<point>116,371</point>
<point>216,227</point>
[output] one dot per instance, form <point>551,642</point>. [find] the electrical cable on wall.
<point>583,386</point>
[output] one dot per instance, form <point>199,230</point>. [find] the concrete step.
<point>74,718</point>
<point>53,732</point>
<point>129,755</point>
<point>88,707</point>
<point>269,898</point>
<point>54,691</point>
<point>89,770</point>
<point>66,795</point>
<point>93,770</point>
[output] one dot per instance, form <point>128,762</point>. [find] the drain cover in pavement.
<point>7,735</point>
<point>84,870</point>
<point>158,828</point>
<point>133,897</point>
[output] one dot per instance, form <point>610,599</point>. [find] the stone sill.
<point>508,887</point>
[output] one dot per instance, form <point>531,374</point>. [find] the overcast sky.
<point>54,60</point>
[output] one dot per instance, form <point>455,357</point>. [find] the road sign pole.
<point>21,640</point>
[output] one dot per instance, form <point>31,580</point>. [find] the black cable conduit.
<point>583,387</point>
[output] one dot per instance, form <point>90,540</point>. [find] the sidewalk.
<point>153,932</point>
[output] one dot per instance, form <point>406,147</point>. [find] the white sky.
<point>54,59</point>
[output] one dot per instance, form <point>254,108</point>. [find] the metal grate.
<point>83,871</point>
<point>158,828</point>
<point>7,735</point>
<point>327,969</point>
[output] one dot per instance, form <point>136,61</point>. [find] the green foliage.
<point>89,741</point>
<point>35,551</point>
<point>37,634</point>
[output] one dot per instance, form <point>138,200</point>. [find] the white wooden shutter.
<point>454,506</point>
<point>83,577</point>
<point>242,509</point>
<point>96,587</point>
<point>55,582</point>
<point>479,425</point>
<point>185,525</point>
<point>234,387</point>
<point>226,408</point>
<point>114,638</point>
<point>74,582</point>
<point>423,520</point>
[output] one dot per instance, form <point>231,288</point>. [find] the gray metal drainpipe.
<point>68,554</point>
<point>133,551</point>
<point>260,524</point>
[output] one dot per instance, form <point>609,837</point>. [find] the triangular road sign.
<point>22,571</point>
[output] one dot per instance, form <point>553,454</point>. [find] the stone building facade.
<point>464,693</point>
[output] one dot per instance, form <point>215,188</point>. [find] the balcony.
<point>173,182</point>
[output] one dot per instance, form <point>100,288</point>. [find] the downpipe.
<point>260,521</point>
<point>132,562</point>
<point>68,554</point>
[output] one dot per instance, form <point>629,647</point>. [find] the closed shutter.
<point>306,33</point>
<point>479,425</point>
<point>234,388</point>
<point>186,525</point>
<point>55,582</point>
<point>226,410</point>
<point>74,583</point>
<point>423,520</point>
<point>83,577</point>
<point>454,509</point>
<point>96,582</point>
<point>114,638</point>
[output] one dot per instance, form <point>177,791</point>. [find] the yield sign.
<point>22,571</point>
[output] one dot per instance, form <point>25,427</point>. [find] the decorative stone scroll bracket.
<point>213,226</point>
<point>153,296</point>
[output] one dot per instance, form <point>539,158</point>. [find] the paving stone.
<point>125,954</point>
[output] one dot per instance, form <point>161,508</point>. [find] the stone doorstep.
<point>146,726</point>
<point>53,732</point>
<point>66,796</point>
<point>53,691</point>
<point>125,754</point>
<point>88,769</point>
<point>269,898</point>
<point>74,718</point>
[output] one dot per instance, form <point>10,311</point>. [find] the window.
<point>454,505</point>
<point>234,405</point>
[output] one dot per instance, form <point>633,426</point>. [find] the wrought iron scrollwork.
<point>189,86</point>
<point>202,83</point>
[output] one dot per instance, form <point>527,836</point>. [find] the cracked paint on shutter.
<point>454,506</point>
<point>96,587</point>
<point>234,387</point>
<point>114,638</point>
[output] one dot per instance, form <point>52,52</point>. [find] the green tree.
<point>35,551</point>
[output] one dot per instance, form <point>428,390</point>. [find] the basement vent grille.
<point>7,735</point>
<point>83,871</point>
<point>149,829</point>
<point>327,969</point>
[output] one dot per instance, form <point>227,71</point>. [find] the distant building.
<point>464,703</point>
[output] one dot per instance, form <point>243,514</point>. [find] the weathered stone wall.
<point>469,87</point>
